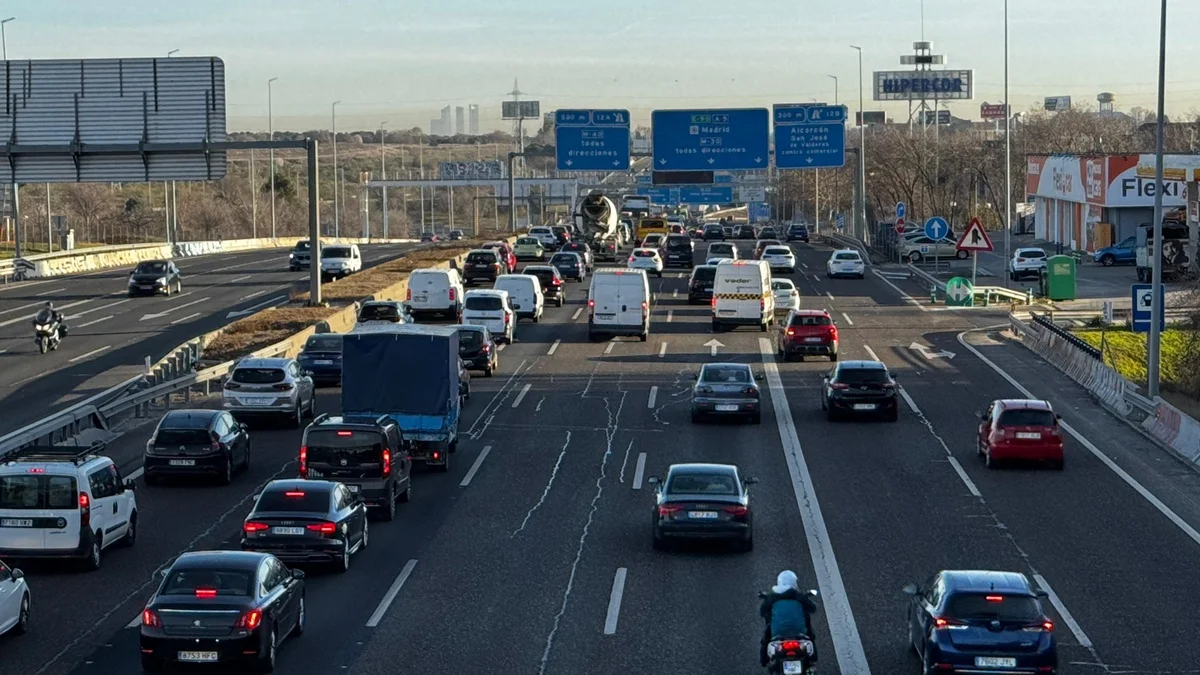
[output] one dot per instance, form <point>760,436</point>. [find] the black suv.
<point>551,280</point>
<point>700,286</point>
<point>679,249</point>
<point>744,232</point>
<point>477,348</point>
<point>860,387</point>
<point>197,443</point>
<point>482,264</point>
<point>798,233</point>
<point>368,455</point>
<point>714,231</point>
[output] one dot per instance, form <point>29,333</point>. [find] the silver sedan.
<point>727,390</point>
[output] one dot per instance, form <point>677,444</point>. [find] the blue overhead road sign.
<point>810,136</point>
<point>901,210</point>
<point>937,228</point>
<point>663,196</point>
<point>1142,296</point>
<point>723,178</point>
<point>703,194</point>
<point>698,140</point>
<point>592,140</point>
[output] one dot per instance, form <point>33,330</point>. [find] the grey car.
<point>726,390</point>
<point>274,387</point>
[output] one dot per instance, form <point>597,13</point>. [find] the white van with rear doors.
<point>619,303</point>
<point>524,293</point>
<point>491,309</point>
<point>435,291</point>
<point>742,295</point>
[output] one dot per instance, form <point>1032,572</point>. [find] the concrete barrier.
<point>1175,429</point>
<point>1101,380</point>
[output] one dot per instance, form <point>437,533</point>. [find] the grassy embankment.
<point>1125,351</point>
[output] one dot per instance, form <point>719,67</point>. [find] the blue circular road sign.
<point>937,228</point>
<point>901,210</point>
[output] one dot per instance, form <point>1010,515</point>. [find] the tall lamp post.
<point>1154,344</point>
<point>836,183</point>
<point>16,199</point>
<point>173,218</point>
<point>337,211</point>
<point>861,206</point>
<point>271,132</point>
<point>1008,206</point>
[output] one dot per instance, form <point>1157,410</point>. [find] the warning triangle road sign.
<point>975,238</point>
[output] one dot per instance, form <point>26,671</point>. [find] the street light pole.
<point>3,37</point>
<point>173,225</point>
<point>383,175</point>
<point>337,210</point>
<point>1008,206</point>
<point>271,132</point>
<point>16,188</point>
<point>837,184</point>
<point>861,207</point>
<point>1154,344</point>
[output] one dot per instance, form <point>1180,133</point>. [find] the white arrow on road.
<point>261,305</point>
<point>928,352</point>
<point>713,344</point>
<point>159,315</point>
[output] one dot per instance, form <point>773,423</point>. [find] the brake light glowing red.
<point>790,645</point>
<point>840,385</point>
<point>791,331</point>
<point>206,592</point>
<point>668,509</point>
<point>303,462</point>
<point>345,433</point>
<point>1048,626</point>
<point>994,598</point>
<point>591,303</point>
<point>737,511</point>
<point>37,470</point>
<point>408,295</point>
<point>437,455</point>
<point>324,528</point>
<point>250,620</point>
<point>150,618</point>
<point>85,502</point>
<point>453,294</point>
<point>253,527</point>
<point>293,493</point>
<point>387,462</point>
<point>645,305</point>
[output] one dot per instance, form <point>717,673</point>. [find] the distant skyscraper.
<point>443,126</point>
<point>473,117</point>
<point>460,122</point>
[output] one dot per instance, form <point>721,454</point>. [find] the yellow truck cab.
<point>649,226</point>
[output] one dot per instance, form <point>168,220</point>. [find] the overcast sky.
<point>401,61</point>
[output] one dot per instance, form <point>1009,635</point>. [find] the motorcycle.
<point>791,655</point>
<point>47,333</point>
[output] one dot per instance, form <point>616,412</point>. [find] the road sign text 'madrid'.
<point>690,140</point>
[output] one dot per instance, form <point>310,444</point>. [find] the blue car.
<point>322,355</point>
<point>1124,253</point>
<point>976,621</point>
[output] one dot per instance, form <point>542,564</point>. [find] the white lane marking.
<point>804,265</point>
<point>27,317</point>
<point>675,293</point>
<point>870,351</point>
<point>609,348</point>
<point>908,298</point>
<point>614,602</point>
<point>95,321</point>
<point>816,278</point>
<point>670,315</point>
<point>662,350</point>
<point>38,295</point>
<point>1112,465</point>
<point>1076,629</point>
<point>962,473</point>
<point>252,295</point>
<point>475,467</point>
<point>189,317</point>
<point>954,463</point>
<point>847,318</point>
<point>3,351</point>
<point>553,348</point>
<point>234,281</point>
<point>830,295</point>
<point>388,597</point>
<point>640,471</point>
<point>22,307</point>
<point>521,396</point>
<point>653,396</point>
<point>843,630</point>
<point>501,347</point>
<point>577,313</point>
<point>135,474</point>
<point>85,312</point>
<point>91,353</point>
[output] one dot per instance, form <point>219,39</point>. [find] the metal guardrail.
<point>1049,325</point>
<point>69,422</point>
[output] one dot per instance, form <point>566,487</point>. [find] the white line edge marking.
<point>904,295</point>
<point>91,353</point>
<point>501,347</point>
<point>189,317</point>
<point>577,313</point>
<point>843,630</point>
<point>475,467</point>
<point>662,350</point>
<point>1081,636</point>
<point>57,290</point>
<point>816,278</point>
<point>653,396</point>
<point>954,463</point>
<point>609,348</point>
<point>829,294</point>
<point>553,348</point>
<point>255,294</point>
<point>639,473</point>
<point>847,318</point>
<point>95,321</point>
<point>135,474</point>
<point>1108,461</point>
<point>521,396</point>
<point>390,596</point>
<point>670,315</point>
<point>875,357</point>
<point>804,265</point>
<point>614,602</point>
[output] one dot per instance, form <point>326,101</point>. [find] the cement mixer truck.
<point>597,218</point>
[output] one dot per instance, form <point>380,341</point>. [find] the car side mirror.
<point>17,575</point>
<point>163,573</point>
<point>1057,416</point>
<point>654,480</point>
<point>298,575</point>
<point>130,485</point>
<point>911,589</point>
<point>243,426</point>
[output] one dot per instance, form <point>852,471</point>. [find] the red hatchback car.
<point>1020,429</point>
<point>808,332</point>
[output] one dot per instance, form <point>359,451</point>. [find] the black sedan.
<point>322,356</point>
<point>222,607</point>
<point>152,277</point>
<point>307,521</point>
<point>570,265</point>
<point>477,348</point>
<point>745,232</point>
<point>726,390</point>
<point>551,280</point>
<point>702,501</point>
<point>454,235</point>
<point>196,442</point>
<point>712,232</point>
<point>860,387</point>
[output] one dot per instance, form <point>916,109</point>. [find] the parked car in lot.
<point>726,390</point>
<point>1121,253</point>
<point>1020,430</point>
<point>478,349</point>
<point>807,332</point>
<point>702,501</point>
<point>269,387</point>
<point>197,442</point>
<point>1026,262</point>
<point>860,388</point>
<point>322,356</point>
<point>152,277</point>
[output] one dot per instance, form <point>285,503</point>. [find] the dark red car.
<point>808,332</point>
<point>1020,429</point>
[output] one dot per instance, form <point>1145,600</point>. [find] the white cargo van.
<point>619,303</point>
<point>742,295</point>
<point>524,294</point>
<point>435,291</point>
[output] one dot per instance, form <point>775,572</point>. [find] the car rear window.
<point>782,286</point>
<point>725,375</point>
<point>183,437</point>
<point>151,268</point>
<point>777,250</point>
<point>485,303</point>
<point>38,492</point>
<point>720,248</point>
<point>853,257</point>
<point>644,254</point>
<point>306,500</point>
<point>470,338</point>
<point>379,313</point>
<point>1032,254</point>
<point>1026,418</point>
<point>811,320</point>
<point>336,252</point>
<point>704,273</point>
<point>768,232</point>
<point>567,259</point>
<point>992,607</point>
<point>799,228</point>
<point>302,246</point>
<point>679,243</point>
<point>702,483</point>
<point>862,376</point>
<point>235,583</point>
<point>324,343</point>
<point>482,257</point>
<point>257,375</point>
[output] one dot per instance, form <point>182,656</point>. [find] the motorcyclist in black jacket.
<point>54,316</point>
<point>787,612</point>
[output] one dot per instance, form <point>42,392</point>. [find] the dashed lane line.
<point>653,397</point>
<point>614,602</point>
<point>521,396</point>
<point>847,318</point>
<point>553,348</point>
<point>391,594</point>
<point>475,467</point>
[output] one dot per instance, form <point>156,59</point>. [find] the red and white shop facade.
<point>1072,193</point>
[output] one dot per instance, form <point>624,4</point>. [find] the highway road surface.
<point>111,334</point>
<point>533,554</point>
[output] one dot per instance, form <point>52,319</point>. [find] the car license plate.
<point>995,662</point>
<point>1028,435</point>
<point>702,515</point>
<point>353,488</point>
<point>198,657</point>
<point>812,339</point>
<point>182,462</point>
<point>727,408</point>
<point>727,311</point>
<point>16,522</point>
<point>289,531</point>
<point>323,362</point>
<point>793,668</point>
<point>864,406</point>
<point>421,298</point>
<point>259,400</point>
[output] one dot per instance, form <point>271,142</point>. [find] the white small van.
<point>435,291</point>
<point>742,295</point>
<point>619,303</point>
<point>491,309</point>
<point>524,293</point>
<point>340,260</point>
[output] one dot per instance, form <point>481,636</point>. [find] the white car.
<point>648,259</point>
<point>14,601</point>
<point>845,263</point>
<point>492,310</point>
<point>340,260</point>
<point>654,241</point>
<point>544,235</point>
<point>717,261</point>
<point>1026,262</point>
<point>786,295</point>
<point>780,258</point>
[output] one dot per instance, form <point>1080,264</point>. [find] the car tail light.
<point>762,304</point>
<point>303,462</point>
<point>668,509</point>
<point>713,302</point>
<point>556,281</point>
<point>1043,627</point>
<point>453,294</point>
<point>294,494</point>
<point>85,508</point>
<point>840,385</point>
<point>150,618</point>
<point>252,527</point>
<point>496,266</point>
<point>250,620</point>
<point>737,511</point>
<point>950,624</point>
<point>645,305</point>
<point>283,386</point>
<point>994,598</point>
<point>387,463</point>
<point>437,455</point>
<point>632,258</point>
<point>40,470</point>
<point>751,392</point>
<point>216,446</point>
<point>487,348</point>
<point>232,385</point>
<point>325,529</point>
<point>507,318</point>
<point>791,331</point>
<point>408,295</point>
<point>206,592</point>
<point>832,332</point>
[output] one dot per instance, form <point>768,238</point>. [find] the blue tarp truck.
<point>411,374</point>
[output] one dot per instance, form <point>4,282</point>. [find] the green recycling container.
<point>1058,278</point>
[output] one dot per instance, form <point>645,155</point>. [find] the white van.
<point>525,294</point>
<point>340,260</point>
<point>491,309</point>
<point>435,291</point>
<point>619,303</point>
<point>742,295</point>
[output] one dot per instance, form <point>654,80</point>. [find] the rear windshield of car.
<point>702,483</point>
<point>528,241</point>
<point>482,257</point>
<point>558,230</point>
<point>1031,254</point>
<point>298,500</point>
<point>574,246</point>
<point>777,250</point>
<point>978,607</point>
<point>324,343</point>
<point>540,230</point>
<point>767,233</point>
<point>38,492</point>
<point>846,256</point>
<point>543,275</point>
<point>336,252</point>
<point>799,228</point>
<point>811,320</point>
<point>258,375</point>
<point>704,273</point>
<point>488,303</point>
<point>862,376</point>
<point>470,338</point>
<point>183,437</point>
<point>782,286</point>
<point>644,254</point>
<point>567,259</point>
<point>719,375</point>
<point>679,243</point>
<point>712,228</point>
<point>236,583</point>
<point>378,313</point>
<point>1026,418</point>
<point>720,248</point>
<point>151,268</point>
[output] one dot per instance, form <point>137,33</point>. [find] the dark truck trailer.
<point>411,374</point>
